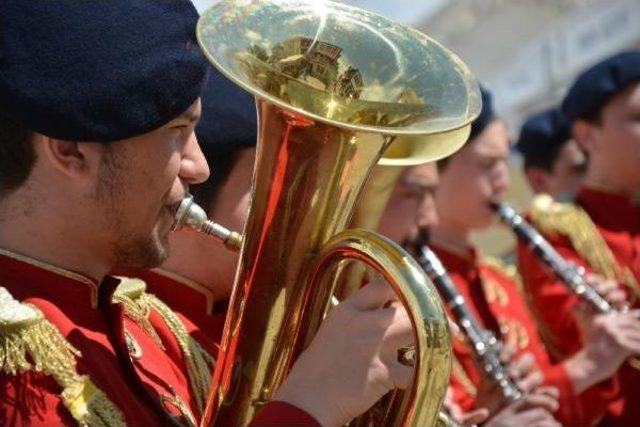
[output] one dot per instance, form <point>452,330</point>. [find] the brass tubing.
<point>421,402</point>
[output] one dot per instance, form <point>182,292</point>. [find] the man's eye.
<point>487,164</point>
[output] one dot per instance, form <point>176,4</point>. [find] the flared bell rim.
<point>473,91</point>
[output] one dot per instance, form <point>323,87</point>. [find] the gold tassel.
<point>25,334</point>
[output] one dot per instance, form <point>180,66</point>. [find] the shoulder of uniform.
<point>30,342</point>
<point>575,224</point>
<point>553,217</point>
<point>14,315</point>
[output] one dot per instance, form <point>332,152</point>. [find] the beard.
<point>141,252</point>
<point>128,248</point>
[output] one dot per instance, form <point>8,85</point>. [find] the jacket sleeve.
<point>277,413</point>
<point>552,305</point>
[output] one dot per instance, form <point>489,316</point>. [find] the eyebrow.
<point>423,185</point>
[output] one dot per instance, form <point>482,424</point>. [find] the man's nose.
<point>194,168</point>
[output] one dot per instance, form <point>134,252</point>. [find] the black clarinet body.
<point>567,272</point>
<point>484,343</point>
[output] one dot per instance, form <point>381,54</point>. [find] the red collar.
<point>457,262</point>
<point>32,278</point>
<point>610,211</point>
<point>181,294</point>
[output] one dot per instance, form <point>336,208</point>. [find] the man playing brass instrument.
<point>599,231</point>
<point>71,211</point>
<point>96,148</point>
<point>335,379</point>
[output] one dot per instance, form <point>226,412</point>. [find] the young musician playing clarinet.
<point>470,181</point>
<point>600,232</point>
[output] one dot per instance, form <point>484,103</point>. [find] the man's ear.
<point>585,134</point>
<point>70,158</point>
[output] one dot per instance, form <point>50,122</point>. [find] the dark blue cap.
<point>593,88</point>
<point>487,115</point>
<point>544,132</point>
<point>98,70</point>
<point>228,122</point>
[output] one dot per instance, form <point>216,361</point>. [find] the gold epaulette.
<point>571,221</point>
<point>29,342</point>
<point>138,305</point>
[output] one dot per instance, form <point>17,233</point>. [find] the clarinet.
<point>571,275</point>
<point>484,343</point>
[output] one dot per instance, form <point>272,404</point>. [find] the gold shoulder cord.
<point>573,222</point>
<point>129,293</point>
<point>138,304</point>
<point>29,342</point>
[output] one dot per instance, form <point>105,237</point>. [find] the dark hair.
<point>222,163</point>
<point>543,159</point>
<point>444,162</point>
<point>17,154</point>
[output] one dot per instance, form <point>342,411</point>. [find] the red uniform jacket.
<point>617,220</point>
<point>82,311</point>
<point>135,372</point>
<point>193,303</point>
<point>494,297</point>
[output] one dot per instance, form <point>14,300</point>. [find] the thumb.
<point>476,416</point>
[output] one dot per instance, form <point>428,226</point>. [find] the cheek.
<point>241,211</point>
<point>398,218</point>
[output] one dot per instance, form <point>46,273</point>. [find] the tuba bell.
<point>335,87</point>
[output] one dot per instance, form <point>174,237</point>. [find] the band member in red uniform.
<point>98,104</point>
<point>193,286</point>
<point>599,231</point>
<point>554,164</point>
<point>469,181</point>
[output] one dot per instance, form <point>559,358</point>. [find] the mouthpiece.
<point>190,216</point>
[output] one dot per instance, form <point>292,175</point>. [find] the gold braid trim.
<point>508,270</point>
<point>129,293</point>
<point>573,222</point>
<point>138,304</point>
<point>28,342</point>
<point>549,339</point>
<point>199,362</point>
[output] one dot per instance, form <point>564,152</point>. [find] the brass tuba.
<point>335,88</point>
